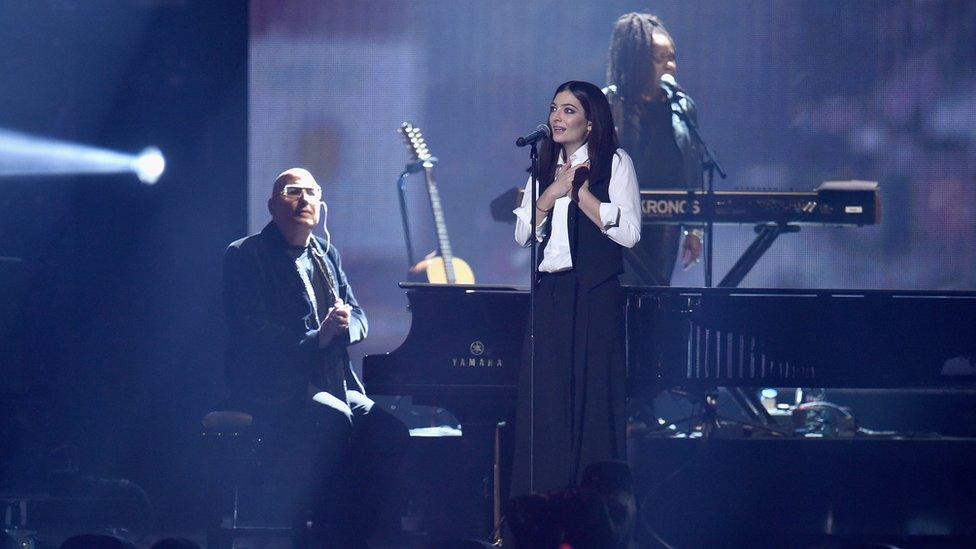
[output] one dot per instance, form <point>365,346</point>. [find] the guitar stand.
<point>402,194</point>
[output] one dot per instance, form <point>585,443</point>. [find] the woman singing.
<point>577,388</point>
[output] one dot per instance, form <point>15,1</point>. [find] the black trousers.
<point>571,412</point>
<point>348,467</point>
<point>351,475</point>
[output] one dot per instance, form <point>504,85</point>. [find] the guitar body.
<point>435,270</point>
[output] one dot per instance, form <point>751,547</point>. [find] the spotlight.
<point>24,155</point>
<point>149,165</point>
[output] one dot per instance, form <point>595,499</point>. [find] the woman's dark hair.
<point>631,63</point>
<point>601,142</point>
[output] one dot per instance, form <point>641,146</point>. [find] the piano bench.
<point>250,480</point>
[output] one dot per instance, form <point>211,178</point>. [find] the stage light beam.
<point>26,155</point>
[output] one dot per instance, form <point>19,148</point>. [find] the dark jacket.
<point>629,128</point>
<point>652,260</point>
<point>273,356</point>
<point>689,147</point>
<point>691,154</point>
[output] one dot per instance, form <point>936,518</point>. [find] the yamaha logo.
<point>476,359</point>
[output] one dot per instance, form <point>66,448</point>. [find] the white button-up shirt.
<point>620,217</point>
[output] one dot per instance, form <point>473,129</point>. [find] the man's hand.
<point>691,250</point>
<point>336,322</point>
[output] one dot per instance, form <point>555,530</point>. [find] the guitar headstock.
<point>414,139</point>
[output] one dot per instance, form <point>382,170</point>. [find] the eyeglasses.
<point>312,194</point>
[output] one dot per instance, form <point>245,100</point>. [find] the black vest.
<point>596,258</point>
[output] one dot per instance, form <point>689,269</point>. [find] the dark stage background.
<point>120,343</point>
<point>115,348</point>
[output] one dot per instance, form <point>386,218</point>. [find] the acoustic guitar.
<point>443,268</point>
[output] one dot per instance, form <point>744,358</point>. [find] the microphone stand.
<point>534,156</point>
<point>711,165</point>
<point>401,191</point>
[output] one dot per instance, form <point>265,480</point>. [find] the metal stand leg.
<point>767,234</point>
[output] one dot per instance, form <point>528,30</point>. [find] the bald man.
<point>291,315</point>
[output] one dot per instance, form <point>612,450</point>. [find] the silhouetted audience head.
<point>599,514</point>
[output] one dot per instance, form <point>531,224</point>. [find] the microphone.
<point>542,130</point>
<point>325,226</point>
<point>670,85</point>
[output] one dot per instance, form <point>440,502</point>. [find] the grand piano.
<point>464,352</point>
<point>464,348</point>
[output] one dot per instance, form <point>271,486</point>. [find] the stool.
<point>237,458</point>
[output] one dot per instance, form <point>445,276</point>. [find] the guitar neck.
<point>443,242</point>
